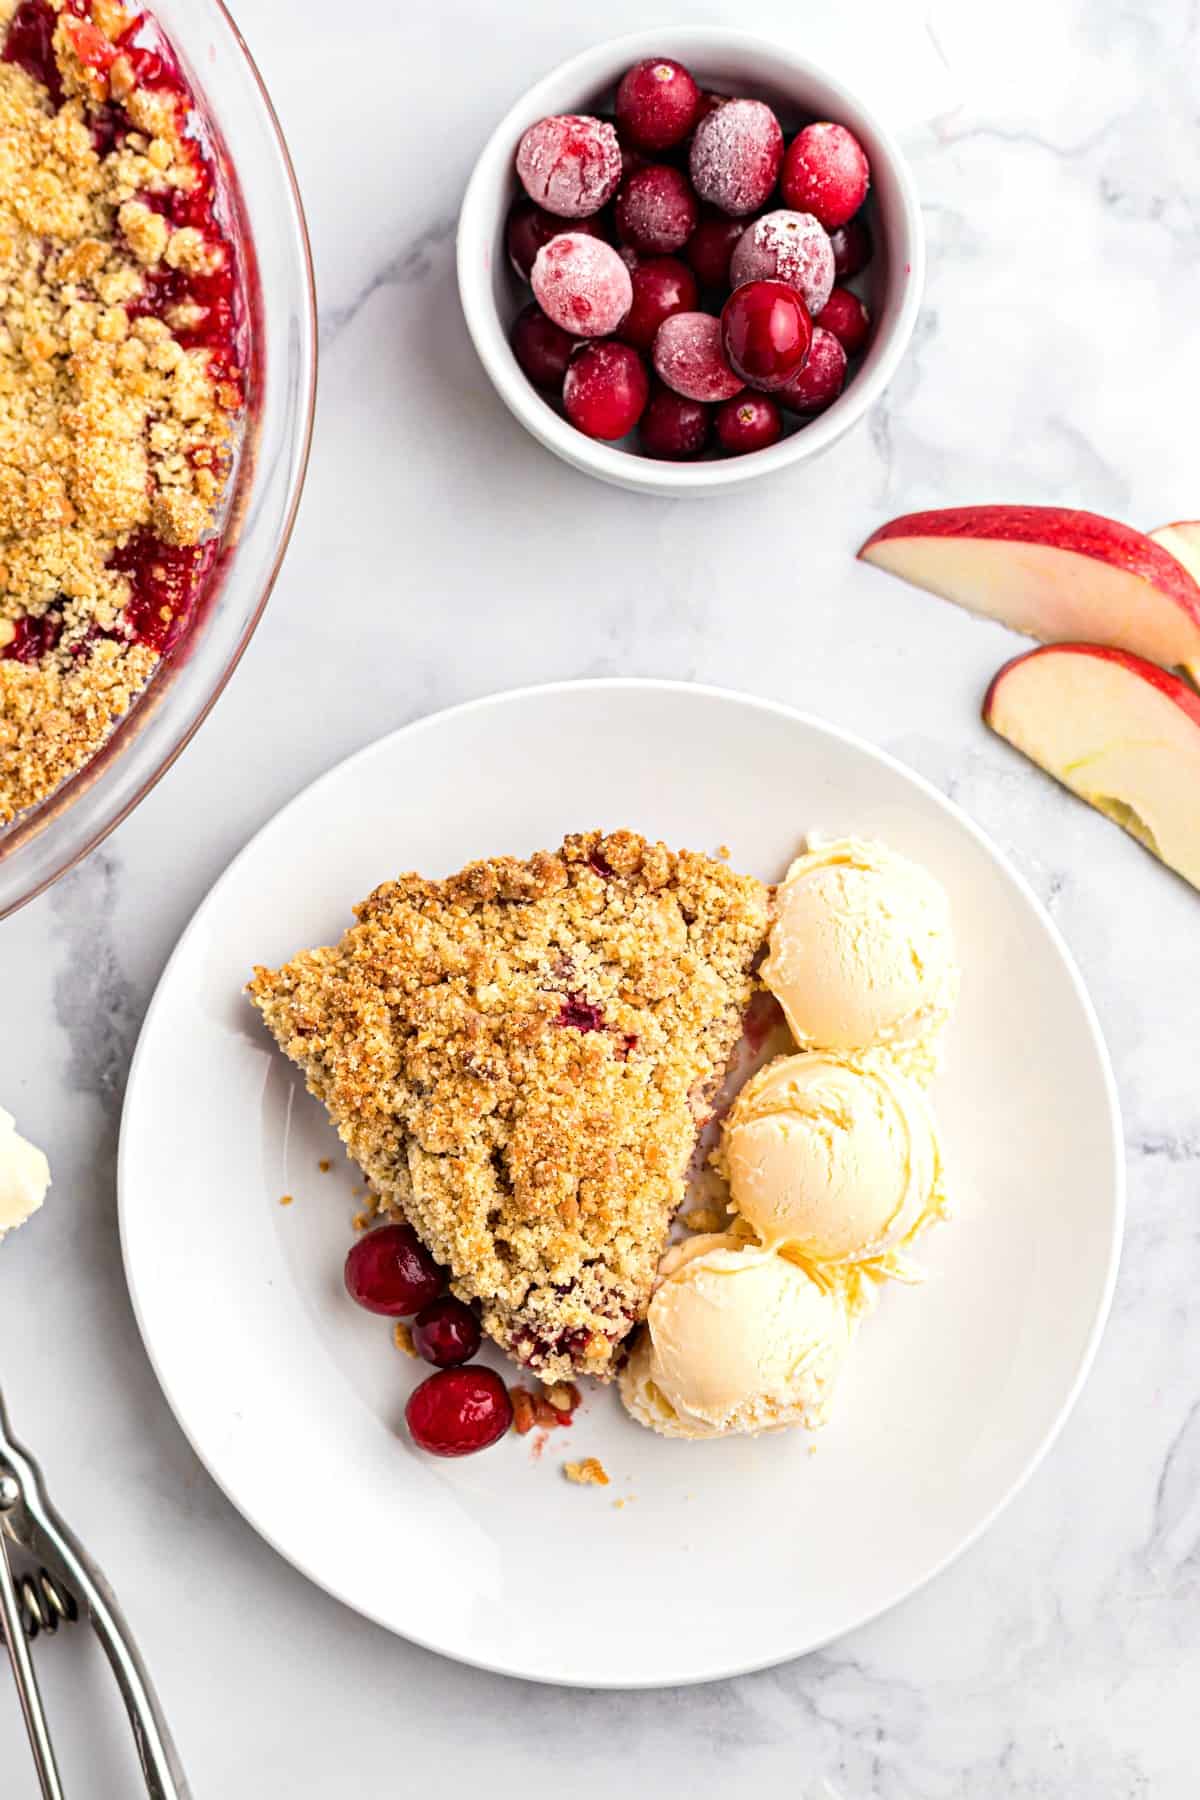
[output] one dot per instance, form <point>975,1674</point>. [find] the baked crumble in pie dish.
<point>124,357</point>
<point>520,1058</point>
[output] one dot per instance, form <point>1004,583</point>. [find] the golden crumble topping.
<point>117,398</point>
<point>520,1058</point>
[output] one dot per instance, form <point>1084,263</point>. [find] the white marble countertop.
<point>440,554</point>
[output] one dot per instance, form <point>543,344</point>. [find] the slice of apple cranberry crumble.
<point>520,1059</point>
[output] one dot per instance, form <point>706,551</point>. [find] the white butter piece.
<point>24,1176</point>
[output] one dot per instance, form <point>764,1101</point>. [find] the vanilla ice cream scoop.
<point>835,1157</point>
<point>861,953</point>
<point>736,1340</point>
<point>24,1176</point>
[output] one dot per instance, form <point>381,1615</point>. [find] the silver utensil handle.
<point>26,1680</point>
<point>161,1767</point>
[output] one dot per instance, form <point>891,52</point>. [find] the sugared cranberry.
<point>656,103</point>
<point>845,315</point>
<point>662,286</point>
<point>852,248</point>
<point>582,284</point>
<point>826,172</point>
<point>570,164</point>
<point>446,1332</point>
<point>542,348</point>
<point>822,378</point>
<point>656,210</point>
<point>689,357</point>
<point>606,389</point>
<point>674,428</point>
<point>529,227</point>
<point>736,155</point>
<point>390,1271</point>
<point>766,331</point>
<point>752,422</point>
<point>790,247</point>
<point>458,1411</point>
<point>710,247</point>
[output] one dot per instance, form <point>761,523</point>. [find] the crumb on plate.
<point>588,1473</point>
<point>402,1337</point>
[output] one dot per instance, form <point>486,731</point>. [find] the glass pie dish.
<point>262,216</point>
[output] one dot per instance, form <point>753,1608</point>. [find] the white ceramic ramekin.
<point>731,62</point>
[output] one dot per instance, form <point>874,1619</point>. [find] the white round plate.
<point>725,1556</point>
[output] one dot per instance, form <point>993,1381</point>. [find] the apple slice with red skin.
<point>1182,541</point>
<point>1118,731</point>
<point>1053,573</point>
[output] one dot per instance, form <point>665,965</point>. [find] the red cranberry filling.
<point>578,1014</point>
<point>165,579</point>
<point>29,45</point>
<point>34,638</point>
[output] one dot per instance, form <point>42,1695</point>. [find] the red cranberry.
<point>689,357</point>
<point>826,172</point>
<point>786,246</point>
<point>820,381</point>
<point>390,1271</point>
<point>660,287</point>
<point>708,103</point>
<point>542,348</point>
<point>766,331</point>
<point>582,284</point>
<point>852,248</point>
<point>710,247</point>
<point>673,428</point>
<point>751,422</point>
<point>529,228</point>
<point>736,154</point>
<point>458,1411</point>
<point>446,1332</point>
<point>605,390</point>
<point>570,165</point>
<point>656,210</point>
<point>845,315</point>
<point>656,103</point>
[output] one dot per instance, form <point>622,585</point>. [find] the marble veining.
<point>440,554</point>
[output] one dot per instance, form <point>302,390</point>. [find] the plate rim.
<point>853,740</point>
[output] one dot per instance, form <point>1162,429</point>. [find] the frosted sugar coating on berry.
<point>582,284</point>
<point>690,358</point>
<point>786,246</point>
<point>657,211</point>
<point>736,154</point>
<point>826,172</point>
<point>821,379</point>
<point>570,164</point>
